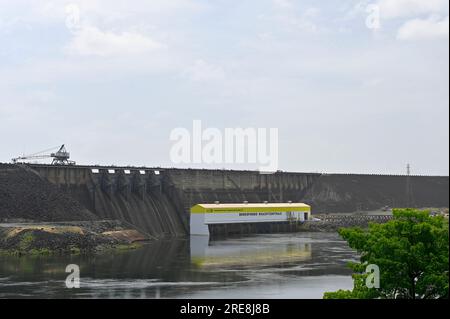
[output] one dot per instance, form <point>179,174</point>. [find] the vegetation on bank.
<point>411,252</point>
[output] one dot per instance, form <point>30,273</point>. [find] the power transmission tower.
<point>409,191</point>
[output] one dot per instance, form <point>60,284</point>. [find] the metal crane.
<point>60,157</point>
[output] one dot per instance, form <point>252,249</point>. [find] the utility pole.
<point>409,193</point>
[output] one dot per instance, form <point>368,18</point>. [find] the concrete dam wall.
<point>195,186</point>
<point>135,197</point>
<point>157,201</point>
<point>326,193</point>
<point>337,193</point>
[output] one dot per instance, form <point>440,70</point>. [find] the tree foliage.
<point>411,251</point>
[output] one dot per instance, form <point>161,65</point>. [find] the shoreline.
<point>67,238</point>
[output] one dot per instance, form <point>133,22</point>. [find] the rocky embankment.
<point>332,223</point>
<point>37,217</point>
<point>66,238</point>
<point>24,195</point>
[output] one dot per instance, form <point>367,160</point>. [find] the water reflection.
<point>238,253</point>
<point>268,266</point>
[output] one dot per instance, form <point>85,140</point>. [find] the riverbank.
<point>332,223</point>
<point>66,237</point>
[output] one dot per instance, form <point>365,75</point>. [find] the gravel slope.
<point>24,195</point>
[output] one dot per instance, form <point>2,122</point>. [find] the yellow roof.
<point>254,205</point>
<point>250,207</point>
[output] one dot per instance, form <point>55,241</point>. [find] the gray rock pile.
<point>25,195</point>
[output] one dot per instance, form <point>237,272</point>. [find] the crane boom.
<point>60,157</point>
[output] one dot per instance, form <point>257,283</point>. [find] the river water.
<point>300,265</point>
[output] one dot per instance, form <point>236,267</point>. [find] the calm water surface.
<point>302,265</point>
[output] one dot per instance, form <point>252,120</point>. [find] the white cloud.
<point>203,71</point>
<point>304,21</point>
<point>311,12</point>
<point>45,10</point>
<point>282,3</point>
<point>407,8</point>
<point>424,29</point>
<point>372,82</point>
<point>90,40</point>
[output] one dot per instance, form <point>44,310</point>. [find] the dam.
<point>157,201</point>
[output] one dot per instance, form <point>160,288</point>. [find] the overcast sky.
<point>111,79</point>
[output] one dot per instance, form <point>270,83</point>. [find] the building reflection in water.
<point>206,254</point>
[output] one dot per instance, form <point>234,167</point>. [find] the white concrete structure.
<point>203,215</point>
